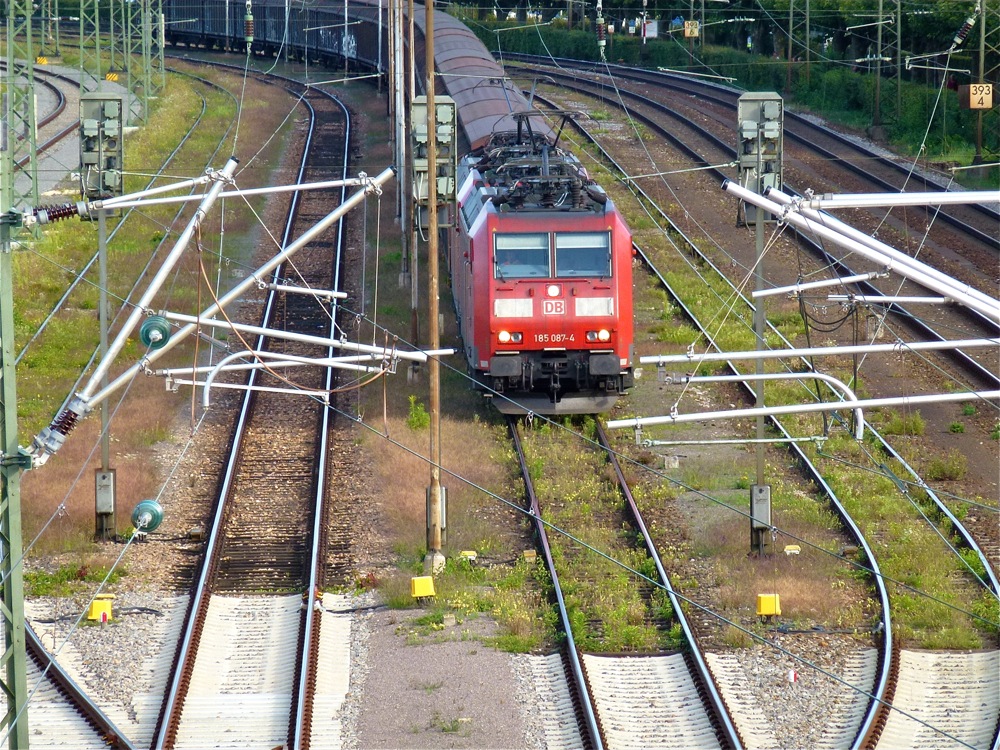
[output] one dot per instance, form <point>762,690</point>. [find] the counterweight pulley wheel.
<point>154,331</point>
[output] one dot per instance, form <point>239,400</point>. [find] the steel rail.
<point>727,98</point>
<point>172,706</point>
<point>60,107</point>
<point>878,707</point>
<point>885,652</point>
<point>715,702</point>
<point>78,278</point>
<point>872,715</point>
<point>78,697</point>
<point>310,633</point>
<point>590,722</point>
<point>976,370</point>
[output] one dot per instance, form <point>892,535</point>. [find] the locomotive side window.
<point>583,254</point>
<point>521,256</point>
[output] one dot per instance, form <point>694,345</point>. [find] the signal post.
<point>760,123</point>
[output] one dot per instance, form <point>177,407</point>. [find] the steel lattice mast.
<point>19,115</point>
<point>19,120</point>
<point>90,46</point>
<point>988,70</point>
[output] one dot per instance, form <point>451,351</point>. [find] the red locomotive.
<point>542,277</point>
<point>541,264</point>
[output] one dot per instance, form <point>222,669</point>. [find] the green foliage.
<point>736,638</point>
<point>448,726</point>
<point>974,562</point>
<point>66,581</point>
<point>909,423</point>
<point>418,419</point>
<point>968,410</point>
<point>949,467</point>
<point>987,607</point>
<point>956,428</point>
<point>155,433</point>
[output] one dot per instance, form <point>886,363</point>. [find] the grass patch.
<point>908,549</point>
<point>892,422</point>
<point>577,495</point>
<point>67,580</point>
<point>951,466</point>
<point>513,595</point>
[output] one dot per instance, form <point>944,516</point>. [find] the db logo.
<point>553,307</point>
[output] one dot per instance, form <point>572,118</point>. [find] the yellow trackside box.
<point>421,586</point>
<point>100,608</point>
<point>768,605</point>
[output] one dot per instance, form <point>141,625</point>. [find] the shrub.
<point>911,423</point>
<point>418,418</point>
<point>952,466</point>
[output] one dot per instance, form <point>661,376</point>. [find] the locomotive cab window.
<point>583,254</point>
<point>521,256</point>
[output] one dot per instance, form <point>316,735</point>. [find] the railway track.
<point>122,225</point>
<point>978,366</point>
<point>643,699</point>
<point>257,608</point>
<point>969,676</point>
<point>279,614</point>
<point>708,142</point>
<point>965,250</point>
<point>975,222</point>
<point>62,714</point>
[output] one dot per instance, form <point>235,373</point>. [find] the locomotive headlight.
<point>510,337</point>
<point>516,337</point>
<point>552,290</point>
<point>503,337</point>
<point>602,335</point>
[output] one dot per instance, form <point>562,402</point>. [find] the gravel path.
<point>416,686</point>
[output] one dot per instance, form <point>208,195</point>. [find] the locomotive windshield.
<point>577,254</point>
<point>583,254</point>
<point>521,256</point>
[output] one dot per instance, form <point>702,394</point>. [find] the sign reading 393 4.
<point>976,96</point>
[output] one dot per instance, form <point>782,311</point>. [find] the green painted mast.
<point>13,663</point>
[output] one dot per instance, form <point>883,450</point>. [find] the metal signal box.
<point>760,131</point>
<point>446,154</point>
<point>101,148</point>
<point>760,506</point>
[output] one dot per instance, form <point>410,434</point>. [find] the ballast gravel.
<point>412,685</point>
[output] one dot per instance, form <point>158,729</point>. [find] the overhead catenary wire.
<point>107,577</point>
<point>639,575</point>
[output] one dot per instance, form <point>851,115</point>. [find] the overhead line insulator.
<point>248,26</point>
